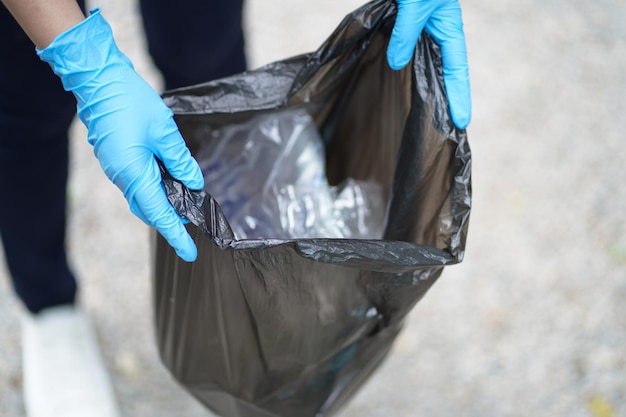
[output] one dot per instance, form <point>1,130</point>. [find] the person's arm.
<point>43,20</point>
<point>128,124</point>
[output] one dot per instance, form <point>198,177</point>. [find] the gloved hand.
<point>443,21</point>
<point>128,124</point>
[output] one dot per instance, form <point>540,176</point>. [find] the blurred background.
<point>532,323</point>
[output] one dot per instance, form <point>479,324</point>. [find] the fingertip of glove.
<point>461,112</point>
<point>397,58</point>
<point>179,239</point>
<point>196,182</point>
<point>188,251</point>
<point>392,59</point>
<point>187,257</point>
<point>189,174</point>
<point>462,123</point>
<point>395,66</point>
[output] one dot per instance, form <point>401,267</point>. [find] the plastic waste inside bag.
<point>269,177</point>
<point>293,327</point>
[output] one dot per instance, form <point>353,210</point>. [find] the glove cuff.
<point>82,53</point>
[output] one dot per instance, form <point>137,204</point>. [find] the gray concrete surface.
<point>533,323</point>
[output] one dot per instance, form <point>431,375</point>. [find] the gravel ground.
<point>532,323</point>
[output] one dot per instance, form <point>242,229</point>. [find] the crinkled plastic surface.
<point>269,176</point>
<point>293,327</point>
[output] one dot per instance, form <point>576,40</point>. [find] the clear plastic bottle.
<point>268,176</point>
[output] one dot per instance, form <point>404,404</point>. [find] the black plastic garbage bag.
<point>294,327</point>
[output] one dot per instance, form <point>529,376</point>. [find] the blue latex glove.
<point>128,124</point>
<point>443,21</point>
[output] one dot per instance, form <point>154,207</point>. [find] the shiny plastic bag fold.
<point>293,327</point>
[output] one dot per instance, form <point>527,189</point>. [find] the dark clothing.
<point>194,41</point>
<point>190,42</point>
